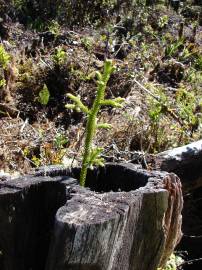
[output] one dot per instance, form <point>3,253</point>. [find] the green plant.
<point>44,95</point>
<point>173,47</point>
<point>198,62</point>
<point>173,262</point>
<point>60,56</point>
<point>92,156</point>
<point>185,110</point>
<point>158,106</point>
<point>37,24</point>
<point>2,82</point>
<point>163,21</point>
<point>79,74</point>
<point>4,61</point>
<point>18,4</point>
<point>60,141</point>
<point>87,43</point>
<point>4,57</point>
<point>193,76</point>
<point>54,27</point>
<point>157,110</point>
<point>36,161</point>
<point>186,103</point>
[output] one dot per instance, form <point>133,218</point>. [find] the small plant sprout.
<point>163,21</point>
<point>44,95</point>
<point>91,155</point>
<point>60,56</point>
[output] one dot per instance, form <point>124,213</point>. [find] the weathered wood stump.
<point>127,218</point>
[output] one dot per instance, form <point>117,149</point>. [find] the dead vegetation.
<point>154,46</point>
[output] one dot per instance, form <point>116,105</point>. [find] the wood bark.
<point>128,219</point>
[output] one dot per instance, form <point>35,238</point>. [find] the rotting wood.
<point>133,222</point>
<point>27,209</point>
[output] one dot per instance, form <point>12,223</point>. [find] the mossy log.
<point>127,218</point>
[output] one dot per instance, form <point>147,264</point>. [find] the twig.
<point>146,90</point>
<point>24,124</point>
<point>192,236</point>
<point>189,262</point>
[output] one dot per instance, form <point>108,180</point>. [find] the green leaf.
<point>44,95</point>
<point>94,158</point>
<point>104,125</point>
<point>60,141</point>
<point>78,104</point>
<point>2,83</point>
<point>117,102</point>
<point>70,106</point>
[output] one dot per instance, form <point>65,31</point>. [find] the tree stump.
<point>128,218</point>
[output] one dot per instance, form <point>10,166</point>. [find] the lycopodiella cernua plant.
<point>91,155</point>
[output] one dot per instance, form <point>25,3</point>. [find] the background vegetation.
<point>50,48</point>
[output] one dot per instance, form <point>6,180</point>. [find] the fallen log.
<point>185,161</point>
<point>128,219</point>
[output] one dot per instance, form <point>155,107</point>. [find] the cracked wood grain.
<point>127,219</point>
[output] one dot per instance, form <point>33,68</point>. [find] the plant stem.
<point>92,119</point>
<point>92,156</point>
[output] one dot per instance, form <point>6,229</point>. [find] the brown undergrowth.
<point>159,73</point>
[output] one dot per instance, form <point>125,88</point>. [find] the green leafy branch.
<point>92,156</point>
